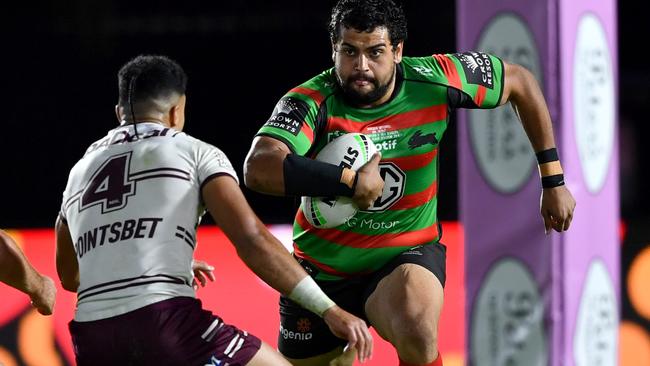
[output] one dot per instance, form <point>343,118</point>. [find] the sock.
<point>436,362</point>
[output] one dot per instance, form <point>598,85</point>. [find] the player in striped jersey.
<point>126,235</point>
<point>386,264</point>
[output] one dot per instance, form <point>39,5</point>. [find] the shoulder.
<point>302,103</point>
<point>194,143</point>
<point>205,150</point>
<point>426,68</point>
<point>315,90</point>
<point>453,68</point>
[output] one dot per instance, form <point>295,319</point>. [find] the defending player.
<point>387,264</point>
<point>126,234</point>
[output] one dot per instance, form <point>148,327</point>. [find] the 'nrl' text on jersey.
<point>132,205</point>
<point>407,130</point>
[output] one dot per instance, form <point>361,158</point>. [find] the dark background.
<point>60,87</point>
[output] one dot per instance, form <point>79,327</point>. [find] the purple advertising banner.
<point>536,299</point>
<point>589,119</point>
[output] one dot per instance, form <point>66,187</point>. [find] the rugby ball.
<point>351,150</point>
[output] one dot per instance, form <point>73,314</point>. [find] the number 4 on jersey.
<point>109,186</point>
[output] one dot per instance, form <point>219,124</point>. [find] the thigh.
<point>267,356</point>
<point>408,292</point>
<point>324,359</point>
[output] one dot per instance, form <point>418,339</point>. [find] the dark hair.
<point>149,77</point>
<point>366,15</point>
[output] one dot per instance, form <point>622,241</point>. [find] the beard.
<point>354,97</point>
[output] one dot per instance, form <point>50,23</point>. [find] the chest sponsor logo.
<point>394,182</point>
<point>478,68</point>
<point>382,136</point>
<point>371,223</point>
<point>386,145</point>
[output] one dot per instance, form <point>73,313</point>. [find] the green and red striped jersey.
<point>407,130</point>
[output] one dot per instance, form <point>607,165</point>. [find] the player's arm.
<point>272,168</point>
<point>17,272</point>
<point>523,92</point>
<point>268,258</point>
<point>67,266</point>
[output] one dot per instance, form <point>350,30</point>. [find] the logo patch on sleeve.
<point>289,115</point>
<point>478,68</point>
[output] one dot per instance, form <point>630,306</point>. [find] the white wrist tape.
<point>310,296</point>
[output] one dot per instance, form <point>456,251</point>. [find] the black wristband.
<point>547,156</point>
<point>553,181</point>
<point>309,177</point>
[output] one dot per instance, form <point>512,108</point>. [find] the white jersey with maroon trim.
<point>132,205</point>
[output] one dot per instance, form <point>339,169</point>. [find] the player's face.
<point>365,65</point>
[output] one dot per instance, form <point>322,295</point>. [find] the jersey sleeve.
<point>477,75</point>
<point>62,213</point>
<point>212,163</point>
<point>295,117</point>
<point>69,196</point>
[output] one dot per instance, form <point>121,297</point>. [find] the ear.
<point>118,114</point>
<point>177,114</point>
<point>397,54</point>
<point>333,52</point>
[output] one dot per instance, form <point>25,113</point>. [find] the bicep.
<point>229,208</point>
<point>513,82</point>
<point>67,266</point>
<point>269,148</point>
<point>263,168</point>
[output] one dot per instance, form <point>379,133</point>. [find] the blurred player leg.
<point>346,358</point>
<point>267,356</point>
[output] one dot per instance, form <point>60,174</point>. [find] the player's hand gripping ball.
<point>351,150</point>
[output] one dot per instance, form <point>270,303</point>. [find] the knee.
<point>417,342</point>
